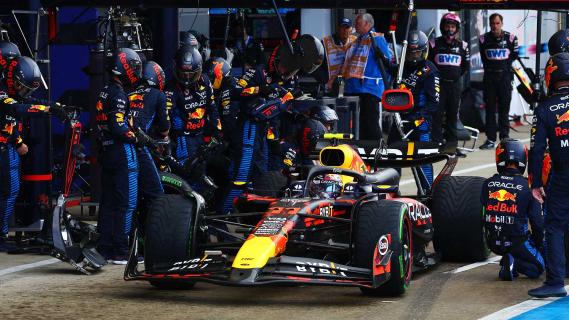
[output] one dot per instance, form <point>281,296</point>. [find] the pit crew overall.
<point>497,56</point>
<point>508,204</point>
<point>453,60</point>
<point>551,128</point>
<point>148,107</point>
<point>119,171</point>
<point>423,81</point>
<point>194,114</point>
<point>10,141</point>
<point>250,155</point>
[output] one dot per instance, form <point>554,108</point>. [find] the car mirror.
<point>397,100</point>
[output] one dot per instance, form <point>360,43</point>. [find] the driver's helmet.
<point>328,186</point>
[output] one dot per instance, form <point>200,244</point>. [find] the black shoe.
<point>546,291</point>
<point>6,246</point>
<point>460,154</point>
<point>507,268</point>
<point>489,144</point>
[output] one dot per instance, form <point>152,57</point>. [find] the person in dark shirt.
<point>118,157</point>
<point>149,112</point>
<point>508,206</point>
<point>498,49</point>
<point>452,58</point>
<point>22,77</point>
<point>551,130</point>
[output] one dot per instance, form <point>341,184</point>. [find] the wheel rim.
<point>407,251</point>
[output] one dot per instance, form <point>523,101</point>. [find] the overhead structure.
<point>361,4</point>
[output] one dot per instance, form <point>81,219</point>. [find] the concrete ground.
<point>50,290</point>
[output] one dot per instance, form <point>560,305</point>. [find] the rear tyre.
<point>270,184</point>
<point>376,219</point>
<point>169,235</point>
<point>458,220</point>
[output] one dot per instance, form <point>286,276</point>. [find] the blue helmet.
<point>22,76</point>
<point>127,66</point>
<point>511,151</point>
<point>153,75</point>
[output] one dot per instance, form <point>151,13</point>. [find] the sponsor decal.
<point>172,181</point>
<point>502,207</point>
<point>418,212</point>
<point>497,54</point>
<point>382,245</point>
<point>325,211</point>
<point>197,263</point>
<point>555,107</point>
<point>491,218</point>
<point>129,71</point>
<point>448,59</point>
<point>270,226</point>
<point>507,185</point>
<point>561,131</point>
<point>502,195</point>
<point>562,118</point>
<point>320,267</point>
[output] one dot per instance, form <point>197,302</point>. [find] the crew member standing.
<point>452,58</point>
<point>118,157</point>
<point>551,129</point>
<point>498,49</point>
<point>335,47</point>
<point>364,75</point>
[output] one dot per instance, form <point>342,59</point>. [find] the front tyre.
<point>376,219</point>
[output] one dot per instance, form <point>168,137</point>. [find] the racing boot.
<point>546,291</point>
<point>6,246</point>
<point>507,268</point>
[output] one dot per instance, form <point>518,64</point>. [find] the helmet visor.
<point>22,90</point>
<point>188,77</point>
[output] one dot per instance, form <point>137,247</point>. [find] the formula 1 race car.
<point>364,234</point>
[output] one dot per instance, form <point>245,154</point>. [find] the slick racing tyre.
<point>458,220</point>
<point>270,184</point>
<point>376,219</point>
<point>168,235</point>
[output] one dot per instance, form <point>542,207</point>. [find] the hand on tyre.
<point>538,194</point>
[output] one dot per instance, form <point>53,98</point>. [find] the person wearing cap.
<point>365,65</point>
<point>335,47</point>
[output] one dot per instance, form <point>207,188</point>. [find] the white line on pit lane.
<point>516,310</point>
<point>474,265</point>
<point>27,266</point>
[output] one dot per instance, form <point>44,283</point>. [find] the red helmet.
<point>449,18</point>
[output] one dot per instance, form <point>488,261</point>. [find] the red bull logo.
<point>129,71</point>
<point>563,118</point>
<point>198,113</point>
<point>502,195</point>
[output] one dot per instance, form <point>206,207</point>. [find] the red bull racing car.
<point>342,225</point>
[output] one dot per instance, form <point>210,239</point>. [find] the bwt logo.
<point>497,54</point>
<point>448,59</point>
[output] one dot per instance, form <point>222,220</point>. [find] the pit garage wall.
<point>523,23</point>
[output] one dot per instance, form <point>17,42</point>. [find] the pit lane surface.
<point>449,291</point>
